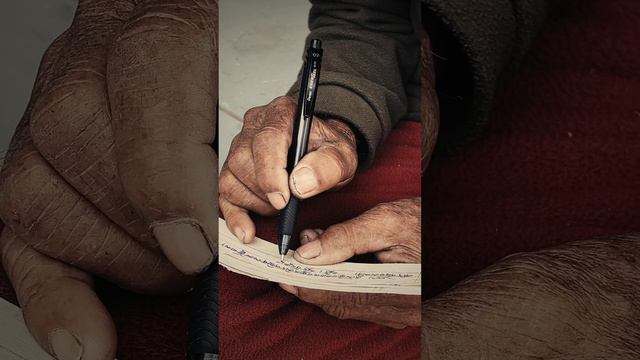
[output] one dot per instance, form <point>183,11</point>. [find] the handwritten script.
<point>260,260</point>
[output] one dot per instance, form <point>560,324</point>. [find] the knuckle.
<point>283,101</point>
<point>333,155</point>
<point>341,130</point>
<point>281,110</point>
<point>227,185</point>
<point>26,189</point>
<point>185,18</point>
<point>239,158</point>
<point>63,112</point>
<point>163,36</point>
<point>252,116</point>
<point>269,139</point>
<point>342,235</point>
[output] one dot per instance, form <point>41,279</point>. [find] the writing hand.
<point>111,171</point>
<point>392,232</point>
<point>254,177</point>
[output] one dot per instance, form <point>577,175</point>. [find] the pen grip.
<point>202,340</point>
<point>288,217</point>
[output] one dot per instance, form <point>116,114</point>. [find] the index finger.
<point>270,148</point>
<point>163,88</point>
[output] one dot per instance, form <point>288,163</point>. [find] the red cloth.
<point>560,161</point>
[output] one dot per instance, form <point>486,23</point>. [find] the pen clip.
<point>314,59</point>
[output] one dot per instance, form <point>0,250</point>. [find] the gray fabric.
<point>476,43</point>
<point>370,74</point>
<point>371,58</point>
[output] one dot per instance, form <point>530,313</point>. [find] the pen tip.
<point>282,257</point>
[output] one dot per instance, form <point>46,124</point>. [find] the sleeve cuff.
<point>337,102</point>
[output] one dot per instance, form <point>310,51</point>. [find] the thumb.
<point>60,308</point>
<point>163,92</point>
<point>364,234</point>
<point>330,164</point>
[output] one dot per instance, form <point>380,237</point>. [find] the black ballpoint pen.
<point>202,339</point>
<point>202,336</point>
<point>300,137</point>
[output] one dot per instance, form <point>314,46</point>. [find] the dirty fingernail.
<point>239,233</point>
<point>277,200</point>
<point>310,250</point>
<point>64,345</point>
<point>304,180</point>
<point>304,239</point>
<point>289,288</point>
<point>184,244</point>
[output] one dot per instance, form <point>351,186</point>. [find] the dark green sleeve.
<point>475,45</point>
<point>371,53</point>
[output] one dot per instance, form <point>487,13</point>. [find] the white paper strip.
<point>261,260</point>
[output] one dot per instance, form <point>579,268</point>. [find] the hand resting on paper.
<point>389,230</point>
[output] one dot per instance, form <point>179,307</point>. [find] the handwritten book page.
<point>261,260</point>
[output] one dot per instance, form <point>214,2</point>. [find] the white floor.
<point>261,47</point>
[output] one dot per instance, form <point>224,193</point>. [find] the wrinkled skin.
<point>576,301</point>
<point>254,177</point>
<point>391,231</point>
<point>111,170</point>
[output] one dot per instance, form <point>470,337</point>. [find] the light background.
<point>27,27</point>
<point>261,47</point>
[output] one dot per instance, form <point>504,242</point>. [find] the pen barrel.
<point>301,130</point>
<point>202,339</point>
<point>287,221</point>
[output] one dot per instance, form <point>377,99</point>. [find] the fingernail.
<point>184,244</point>
<point>310,250</point>
<point>277,200</point>
<point>304,180</point>
<point>239,233</point>
<point>290,289</point>
<point>64,345</point>
<point>305,239</point>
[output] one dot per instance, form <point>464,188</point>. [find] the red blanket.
<point>560,161</point>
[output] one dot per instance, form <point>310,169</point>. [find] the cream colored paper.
<point>16,342</point>
<point>261,260</point>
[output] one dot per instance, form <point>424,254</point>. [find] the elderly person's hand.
<point>255,178</point>
<point>111,171</point>
<point>392,232</point>
<point>576,301</point>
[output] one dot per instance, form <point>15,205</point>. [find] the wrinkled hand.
<point>255,178</point>
<point>576,301</point>
<point>111,170</point>
<point>392,232</point>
